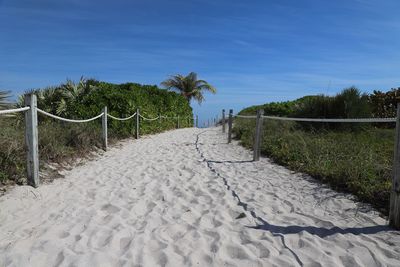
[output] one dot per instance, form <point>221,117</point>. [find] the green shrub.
<point>12,152</point>
<point>359,162</point>
<point>350,103</point>
<point>59,140</point>
<point>88,97</point>
<point>384,105</point>
<point>273,109</point>
<point>123,100</point>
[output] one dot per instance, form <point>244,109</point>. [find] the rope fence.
<point>31,130</point>
<point>149,119</point>
<point>352,120</point>
<point>68,120</point>
<point>15,110</point>
<point>245,117</point>
<point>394,211</point>
<point>122,119</point>
<point>359,120</point>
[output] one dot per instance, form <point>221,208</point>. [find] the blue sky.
<point>252,51</point>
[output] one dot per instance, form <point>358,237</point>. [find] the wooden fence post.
<point>230,119</point>
<point>160,121</point>
<point>137,123</point>
<point>178,123</point>
<point>223,120</point>
<point>104,127</point>
<point>257,137</point>
<point>394,212</point>
<point>31,140</point>
<point>197,121</point>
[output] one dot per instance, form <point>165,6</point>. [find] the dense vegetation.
<point>350,103</point>
<point>59,141</point>
<point>350,157</point>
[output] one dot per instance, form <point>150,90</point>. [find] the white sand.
<point>156,202</point>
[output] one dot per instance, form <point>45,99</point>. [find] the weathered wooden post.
<point>230,120</point>
<point>104,128</point>
<point>197,121</point>
<point>178,126</point>
<point>223,120</point>
<point>137,123</point>
<point>31,140</point>
<point>257,137</point>
<point>394,212</point>
<point>160,121</point>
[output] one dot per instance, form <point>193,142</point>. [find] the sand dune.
<point>186,198</point>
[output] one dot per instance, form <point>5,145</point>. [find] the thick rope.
<point>7,111</point>
<point>121,119</point>
<point>245,117</point>
<point>148,119</point>
<point>166,117</point>
<point>365,120</point>
<point>68,120</point>
<point>332,120</point>
<point>87,120</point>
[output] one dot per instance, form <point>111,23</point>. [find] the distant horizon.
<point>266,51</point>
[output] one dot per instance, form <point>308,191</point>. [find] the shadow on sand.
<point>281,231</point>
<point>321,231</point>
<point>230,161</point>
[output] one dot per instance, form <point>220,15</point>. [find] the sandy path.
<point>186,198</point>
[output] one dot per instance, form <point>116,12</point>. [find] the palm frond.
<point>62,107</point>
<point>188,86</point>
<point>4,95</point>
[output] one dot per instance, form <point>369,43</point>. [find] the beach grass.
<point>60,142</point>
<point>57,142</point>
<point>356,161</point>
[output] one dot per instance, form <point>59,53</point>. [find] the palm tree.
<point>4,95</point>
<point>59,99</point>
<point>72,92</point>
<point>189,86</point>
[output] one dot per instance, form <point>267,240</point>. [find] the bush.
<point>123,100</point>
<point>88,97</point>
<point>350,103</point>
<point>59,141</point>
<point>273,109</point>
<point>341,155</point>
<point>12,152</point>
<point>384,105</point>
